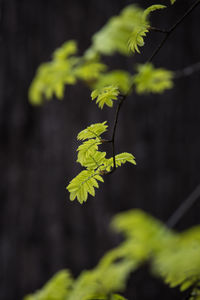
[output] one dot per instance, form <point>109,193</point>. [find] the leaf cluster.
<point>105,95</point>
<point>94,161</point>
<point>173,256</point>
<point>122,34</point>
<point>152,80</point>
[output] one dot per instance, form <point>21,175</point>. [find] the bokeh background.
<point>41,231</point>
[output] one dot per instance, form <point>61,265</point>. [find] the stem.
<point>121,100</point>
<point>187,71</point>
<point>157,29</point>
<point>169,32</point>
<point>184,207</point>
<point>123,97</point>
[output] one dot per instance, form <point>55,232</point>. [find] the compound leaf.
<point>87,149</point>
<point>57,288</point>
<point>92,131</point>
<point>151,9</point>
<point>113,37</point>
<point>136,38</point>
<point>67,49</point>
<point>94,160</point>
<point>90,70</point>
<point>105,96</point>
<point>120,159</point>
<point>152,80</point>
<point>119,78</point>
<point>82,184</point>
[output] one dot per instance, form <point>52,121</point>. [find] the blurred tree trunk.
<point>41,230</point>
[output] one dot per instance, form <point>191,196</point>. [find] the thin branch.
<point>184,207</point>
<point>187,71</point>
<point>169,32</point>
<point>157,29</point>
<point>123,97</point>
<point>121,100</point>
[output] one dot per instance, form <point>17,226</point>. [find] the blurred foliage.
<point>172,256</point>
<point>122,34</point>
<point>119,78</point>
<point>175,257</point>
<point>140,29</point>
<point>57,288</point>
<point>105,95</point>
<point>152,80</point>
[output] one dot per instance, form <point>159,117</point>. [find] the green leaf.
<point>67,49</point>
<point>82,184</point>
<point>119,78</point>
<point>152,80</point>
<point>195,294</point>
<point>57,288</point>
<point>93,131</point>
<point>94,160</point>
<point>113,37</point>
<point>117,297</point>
<point>90,70</point>
<point>152,8</point>
<point>87,149</point>
<point>105,96</point>
<point>100,282</point>
<point>179,262</point>
<point>172,1</point>
<point>120,159</point>
<point>51,77</point>
<point>137,38</point>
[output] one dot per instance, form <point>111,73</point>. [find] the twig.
<point>187,71</point>
<point>121,100</point>
<point>184,207</point>
<point>123,97</point>
<point>157,29</point>
<point>169,32</point>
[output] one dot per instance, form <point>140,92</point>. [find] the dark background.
<point>41,230</point>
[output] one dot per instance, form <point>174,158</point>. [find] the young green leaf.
<point>120,159</point>
<point>113,37</point>
<point>87,149</point>
<point>179,263</point>
<point>93,131</point>
<point>57,288</point>
<point>119,78</point>
<point>152,80</point>
<point>117,297</point>
<point>105,96</point>
<point>67,49</point>
<point>90,70</point>
<point>195,294</point>
<point>151,9</point>
<point>82,184</point>
<point>136,38</point>
<point>94,160</point>
<point>51,77</point>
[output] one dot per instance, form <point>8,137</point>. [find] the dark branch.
<point>157,29</point>
<point>121,100</point>
<point>169,32</point>
<point>184,207</point>
<point>123,97</point>
<point>187,71</point>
